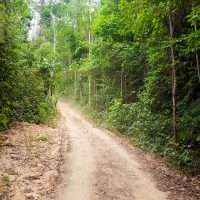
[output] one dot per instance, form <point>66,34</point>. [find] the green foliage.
<point>125,75</point>
<point>117,115</point>
<point>148,131</point>
<point>46,16</point>
<point>5,110</point>
<point>26,80</point>
<point>115,60</point>
<point>194,16</point>
<point>47,111</point>
<point>42,138</point>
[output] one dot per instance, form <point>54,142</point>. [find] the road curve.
<point>99,168</point>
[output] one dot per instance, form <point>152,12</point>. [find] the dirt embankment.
<point>79,161</point>
<point>30,160</point>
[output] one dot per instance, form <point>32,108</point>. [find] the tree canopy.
<point>134,64</point>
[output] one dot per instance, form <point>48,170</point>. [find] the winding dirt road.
<point>99,167</point>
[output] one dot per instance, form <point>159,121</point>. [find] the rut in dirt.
<point>99,168</point>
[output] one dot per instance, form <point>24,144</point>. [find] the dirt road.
<point>98,167</point>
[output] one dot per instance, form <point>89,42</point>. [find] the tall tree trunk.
<point>75,86</point>
<point>54,46</point>
<point>53,27</point>
<point>125,87</point>
<point>121,83</point>
<point>197,56</point>
<point>173,79</point>
<point>81,88</point>
<point>94,92</point>
<point>89,41</point>
<point>197,59</point>
<point>89,91</point>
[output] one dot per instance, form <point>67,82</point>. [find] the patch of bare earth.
<point>79,161</point>
<point>178,185</point>
<point>99,167</point>
<point>30,161</point>
<point>109,168</point>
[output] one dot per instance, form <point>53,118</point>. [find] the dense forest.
<point>25,76</point>
<point>132,64</point>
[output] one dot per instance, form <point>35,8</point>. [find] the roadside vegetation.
<point>26,79</point>
<point>134,66</point>
<point>137,71</point>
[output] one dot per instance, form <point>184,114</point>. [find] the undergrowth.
<point>149,133</point>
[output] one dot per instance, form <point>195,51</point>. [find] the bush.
<point>151,132</point>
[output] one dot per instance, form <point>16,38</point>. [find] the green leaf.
<point>198,138</point>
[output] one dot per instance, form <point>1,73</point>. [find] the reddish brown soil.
<point>30,161</point>
<point>78,161</point>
